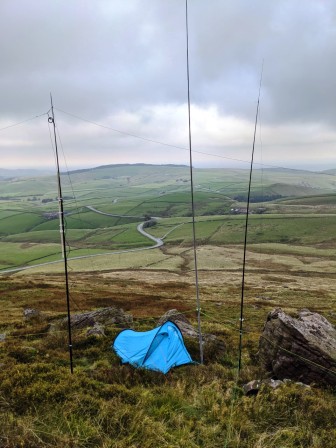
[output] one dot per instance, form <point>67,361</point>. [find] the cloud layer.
<point>123,64</point>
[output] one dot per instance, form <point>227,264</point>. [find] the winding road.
<point>140,228</point>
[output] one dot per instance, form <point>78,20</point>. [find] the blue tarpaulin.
<point>159,349</point>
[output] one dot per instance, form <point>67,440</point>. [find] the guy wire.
<point>264,165</point>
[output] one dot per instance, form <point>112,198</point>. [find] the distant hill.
<point>122,166</point>
<point>284,170</point>
<point>138,173</point>
<point>332,171</point>
<point>297,170</point>
<point>132,180</point>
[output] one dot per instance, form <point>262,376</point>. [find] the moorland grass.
<point>104,404</point>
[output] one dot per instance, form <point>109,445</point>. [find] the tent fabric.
<point>159,349</point>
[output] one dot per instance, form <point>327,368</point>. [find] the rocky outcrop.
<point>253,387</point>
<point>302,348</point>
<point>211,342</point>
<point>97,318</point>
<point>181,321</point>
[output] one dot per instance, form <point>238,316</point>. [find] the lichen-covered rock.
<point>31,314</point>
<point>211,342</point>
<point>181,321</point>
<point>253,387</point>
<point>105,316</point>
<point>97,330</point>
<point>302,348</point>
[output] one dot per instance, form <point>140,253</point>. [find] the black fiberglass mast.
<point>51,119</point>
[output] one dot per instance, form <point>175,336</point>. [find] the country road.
<point>158,243</point>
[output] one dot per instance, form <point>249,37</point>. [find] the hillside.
<point>290,264</point>
<point>104,404</point>
<point>104,205</point>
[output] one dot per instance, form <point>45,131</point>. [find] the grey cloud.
<point>102,57</point>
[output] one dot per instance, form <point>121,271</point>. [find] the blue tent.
<point>159,349</point>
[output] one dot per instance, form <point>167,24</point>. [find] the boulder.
<point>30,314</point>
<point>252,387</point>
<point>300,348</point>
<point>181,321</point>
<point>105,316</point>
<point>212,343</point>
<point>97,330</point>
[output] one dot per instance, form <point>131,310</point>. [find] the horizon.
<point>51,169</point>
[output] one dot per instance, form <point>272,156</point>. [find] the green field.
<point>302,213</point>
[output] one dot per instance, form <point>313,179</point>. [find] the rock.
<point>299,383</point>
<point>252,387</point>
<point>181,321</point>
<point>97,330</point>
<point>301,349</point>
<point>31,314</point>
<point>211,342</point>
<point>2,337</point>
<point>274,384</point>
<point>105,316</point>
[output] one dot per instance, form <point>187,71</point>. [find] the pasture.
<point>127,194</point>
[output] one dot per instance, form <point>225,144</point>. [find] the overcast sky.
<point>122,64</point>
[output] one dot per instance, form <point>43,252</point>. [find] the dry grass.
<point>292,260</point>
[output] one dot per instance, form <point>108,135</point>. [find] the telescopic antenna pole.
<point>198,310</point>
<point>241,320</point>
<point>51,119</point>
